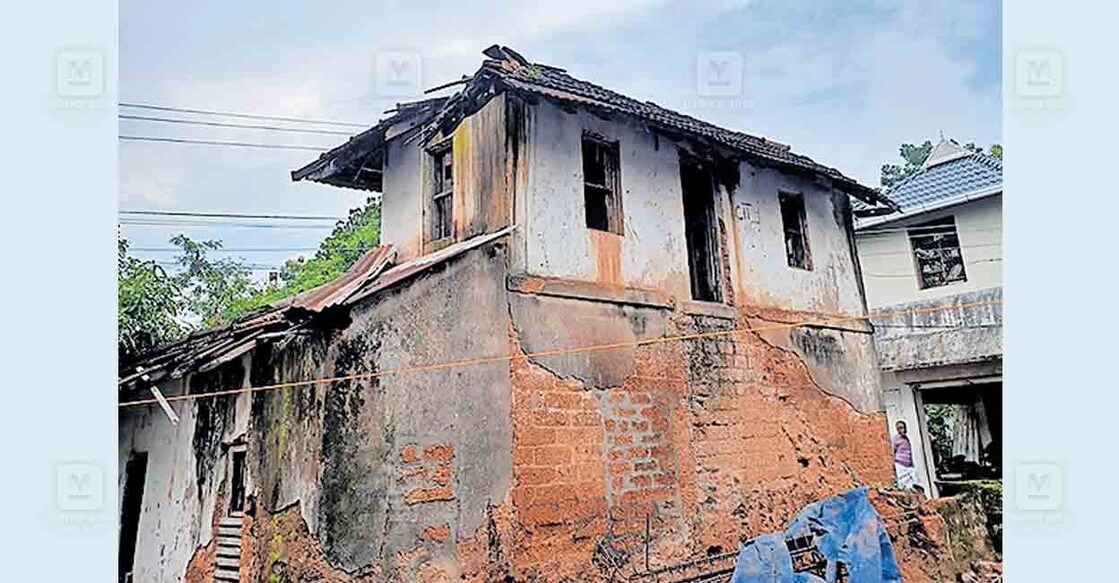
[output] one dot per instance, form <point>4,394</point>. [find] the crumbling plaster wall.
<point>652,252</point>
<point>388,471</point>
<point>708,440</point>
<point>832,286</point>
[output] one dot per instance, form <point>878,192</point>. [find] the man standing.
<point>903,459</point>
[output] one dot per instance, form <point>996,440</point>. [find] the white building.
<point>944,248</point>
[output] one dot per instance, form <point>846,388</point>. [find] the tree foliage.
<point>155,307</point>
<point>913,156</point>
<point>147,304</point>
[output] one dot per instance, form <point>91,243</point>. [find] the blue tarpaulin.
<point>846,530</point>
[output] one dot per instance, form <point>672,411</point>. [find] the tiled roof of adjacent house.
<point>958,176</point>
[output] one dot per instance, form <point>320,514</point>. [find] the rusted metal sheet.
<point>371,273</point>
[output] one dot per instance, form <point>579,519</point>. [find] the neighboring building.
<point>943,249</point>
<point>468,430</point>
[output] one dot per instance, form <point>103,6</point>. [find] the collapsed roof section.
<point>506,71</point>
<point>206,350</point>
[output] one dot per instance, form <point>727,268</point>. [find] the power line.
<point>229,215</point>
<point>232,125</point>
<point>218,143</point>
<point>544,353</point>
<point>201,224</point>
<point>242,115</point>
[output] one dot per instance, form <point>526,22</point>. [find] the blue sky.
<point>843,82</point>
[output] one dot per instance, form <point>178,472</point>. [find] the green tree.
<point>210,288</point>
<point>913,157</point>
<point>155,307</point>
<point>147,305</point>
<point>350,238</point>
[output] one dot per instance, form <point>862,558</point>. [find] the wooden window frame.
<point>611,187</point>
<point>442,200</point>
<point>795,227</point>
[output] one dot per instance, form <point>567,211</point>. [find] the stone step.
<point>230,520</point>
<point>228,551</point>
<point>229,531</point>
<point>230,563</point>
<point>227,575</point>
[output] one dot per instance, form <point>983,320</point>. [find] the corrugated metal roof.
<point>371,273</point>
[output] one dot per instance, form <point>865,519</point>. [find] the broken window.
<point>237,481</point>
<point>701,230</point>
<point>795,226</point>
<point>442,198</point>
<point>936,250</point>
<point>601,185</point>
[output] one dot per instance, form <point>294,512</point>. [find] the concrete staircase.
<point>228,556</point>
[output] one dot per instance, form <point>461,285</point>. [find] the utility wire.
<point>560,351</point>
<point>219,124</point>
<point>229,215</point>
<point>217,143</point>
<point>203,224</point>
<point>242,115</point>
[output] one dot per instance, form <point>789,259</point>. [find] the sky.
<point>843,82</point>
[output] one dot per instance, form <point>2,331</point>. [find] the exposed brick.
<point>437,533</point>
<point>420,495</point>
<point>440,452</point>
<point>409,454</point>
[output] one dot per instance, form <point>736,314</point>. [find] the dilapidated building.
<point>599,337</point>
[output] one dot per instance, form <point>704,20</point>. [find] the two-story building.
<point>941,368</point>
<point>599,335</point>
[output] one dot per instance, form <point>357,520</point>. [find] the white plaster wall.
<point>557,243</point>
<point>401,200</point>
<point>766,279</point>
<point>890,271</point>
<point>171,525</point>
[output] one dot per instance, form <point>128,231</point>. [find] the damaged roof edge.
<point>371,274</point>
<point>506,70</point>
<point>338,158</point>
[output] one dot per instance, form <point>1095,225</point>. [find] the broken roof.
<point>950,175</point>
<point>507,71</point>
<point>206,350</point>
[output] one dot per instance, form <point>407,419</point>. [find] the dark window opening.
<point>135,471</point>
<point>701,231</point>
<point>795,226</point>
<point>601,185</point>
<point>442,198</point>
<point>936,250</point>
<point>237,482</point>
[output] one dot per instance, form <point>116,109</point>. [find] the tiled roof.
<point>947,180</point>
<point>506,70</point>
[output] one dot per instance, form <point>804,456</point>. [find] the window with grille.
<point>936,251</point>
